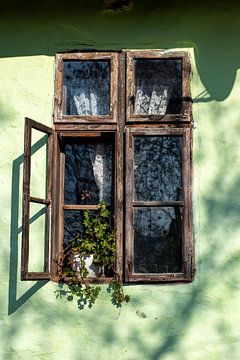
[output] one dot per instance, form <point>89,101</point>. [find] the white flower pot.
<point>93,270</point>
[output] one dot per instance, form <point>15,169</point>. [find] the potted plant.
<point>92,254</point>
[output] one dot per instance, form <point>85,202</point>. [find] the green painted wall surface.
<point>170,322</point>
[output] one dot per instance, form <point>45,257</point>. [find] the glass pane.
<point>158,168</point>
<point>88,171</point>
<point>37,237</point>
<point>73,225</point>
<point>157,240</point>
<point>158,86</point>
<point>39,161</point>
<point>86,87</point>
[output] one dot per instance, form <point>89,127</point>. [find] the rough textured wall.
<point>168,322</point>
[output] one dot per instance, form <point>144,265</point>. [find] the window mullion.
<point>156,203</point>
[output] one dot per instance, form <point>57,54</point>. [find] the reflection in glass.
<point>158,86</point>
<point>158,163</point>
<point>86,87</point>
<point>88,171</point>
<point>73,225</point>
<point>157,240</point>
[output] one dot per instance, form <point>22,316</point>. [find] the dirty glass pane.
<point>158,86</point>
<point>86,87</point>
<point>157,240</point>
<point>158,168</point>
<point>37,237</point>
<point>89,171</point>
<point>73,225</point>
<point>39,161</point>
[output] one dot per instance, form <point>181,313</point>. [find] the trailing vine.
<point>97,239</point>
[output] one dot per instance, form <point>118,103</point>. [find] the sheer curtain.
<point>152,100</point>
<point>102,170</point>
<point>87,85</point>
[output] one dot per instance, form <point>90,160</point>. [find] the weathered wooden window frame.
<point>184,203</point>
<point>28,199</point>
<point>123,124</point>
<point>186,114</point>
<point>59,117</point>
<point>60,205</point>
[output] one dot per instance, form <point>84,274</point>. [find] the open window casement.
<point>80,174</point>
<point>122,135</point>
<point>87,178</point>
<point>42,200</point>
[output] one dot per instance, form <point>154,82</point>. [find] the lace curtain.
<point>88,173</point>
<point>88,167</point>
<point>87,85</point>
<point>88,180</point>
<point>102,170</point>
<point>158,86</point>
<point>151,100</point>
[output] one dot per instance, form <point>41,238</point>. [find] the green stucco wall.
<point>168,322</point>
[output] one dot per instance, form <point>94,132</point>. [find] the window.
<point>121,134</point>
<point>86,88</point>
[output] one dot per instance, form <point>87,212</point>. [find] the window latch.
<point>187,99</point>
<point>132,99</point>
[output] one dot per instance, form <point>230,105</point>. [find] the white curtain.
<point>87,85</point>
<point>151,100</point>
<point>102,170</point>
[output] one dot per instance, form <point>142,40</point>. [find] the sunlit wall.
<point>168,322</point>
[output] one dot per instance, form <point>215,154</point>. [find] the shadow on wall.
<point>215,295</point>
<point>14,277</point>
<point>177,312</point>
<point>217,59</point>
<point>205,311</point>
<point>146,25</point>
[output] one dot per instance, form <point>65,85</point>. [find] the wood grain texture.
<point>125,124</point>
<point>80,207</point>
<point>66,128</point>
<point>26,200</point>
<point>29,125</point>
<point>186,204</point>
<point>156,203</point>
<point>59,116</point>
<point>186,113</point>
<point>39,200</point>
<point>119,170</point>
